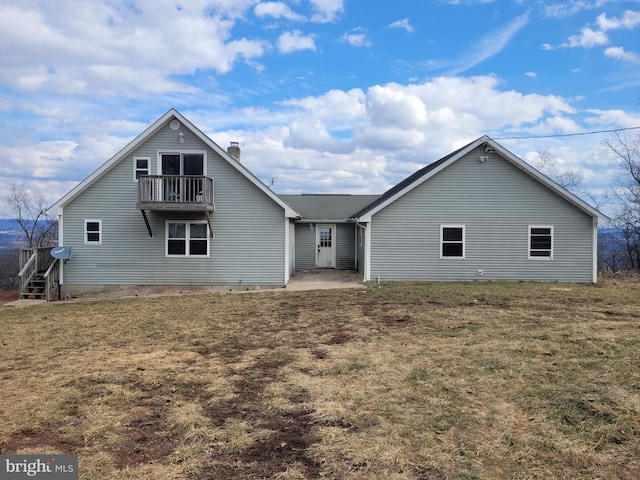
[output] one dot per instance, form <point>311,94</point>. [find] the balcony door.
<point>179,166</point>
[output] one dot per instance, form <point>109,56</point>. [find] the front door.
<point>326,241</point>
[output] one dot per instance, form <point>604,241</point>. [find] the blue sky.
<point>335,96</point>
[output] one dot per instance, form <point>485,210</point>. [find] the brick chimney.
<point>234,150</point>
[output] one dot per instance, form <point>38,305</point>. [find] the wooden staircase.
<point>36,289</point>
<point>39,273</point>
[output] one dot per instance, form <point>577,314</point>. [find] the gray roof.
<point>324,207</point>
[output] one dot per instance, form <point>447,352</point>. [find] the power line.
<point>566,134</point>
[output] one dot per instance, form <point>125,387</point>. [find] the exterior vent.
<point>234,150</point>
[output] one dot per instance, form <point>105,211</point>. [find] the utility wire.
<point>567,134</point>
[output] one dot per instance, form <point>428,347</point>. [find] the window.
<point>540,242</point>
<point>182,163</point>
<point>187,239</point>
<point>451,241</point>
<point>178,166</point>
<point>325,237</point>
<point>93,232</point>
<point>140,167</point>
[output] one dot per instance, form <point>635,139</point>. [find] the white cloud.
<point>531,74</point>
<point>390,106</point>
<point>612,118</point>
<point>323,11</point>
<point>404,23</point>
<point>294,41</point>
<point>490,45</point>
<point>629,21</point>
<point>337,106</point>
<point>356,37</point>
<point>587,38</point>
<point>572,7</point>
<point>326,10</point>
<point>276,10</point>
<point>556,124</point>
<point>621,54</point>
<point>72,50</point>
<point>410,125</point>
<point>314,134</point>
<point>351,141</point>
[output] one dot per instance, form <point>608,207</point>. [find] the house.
<point>174,208</point>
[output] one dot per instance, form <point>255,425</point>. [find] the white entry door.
<point>326,241</point>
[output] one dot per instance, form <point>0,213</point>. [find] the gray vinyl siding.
<point>345,246</point>
<point>496,202</point>
<point>249,228</point>
<point>305,246</point>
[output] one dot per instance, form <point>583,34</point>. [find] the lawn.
<point>399,381</point>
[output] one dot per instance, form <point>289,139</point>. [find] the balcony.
<point>175,193</point>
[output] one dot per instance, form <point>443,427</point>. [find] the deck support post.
<point>146,222</point>
<point>206,212</point>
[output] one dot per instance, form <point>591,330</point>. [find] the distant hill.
<point>10,234</point>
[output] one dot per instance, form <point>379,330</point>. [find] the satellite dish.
<point>61,253</point>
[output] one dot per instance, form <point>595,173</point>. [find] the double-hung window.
<point>140,167</point>
<point>187,239</point>
<point>540,242</point>
<point>452,241</point>
<point>93,232</point>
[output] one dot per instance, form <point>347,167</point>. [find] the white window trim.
<point>529,257</point>
<point>187,238</point>
<point>464,241</point>
<point>93,220</point>
<point>181,152</point>
<point>135,166</point>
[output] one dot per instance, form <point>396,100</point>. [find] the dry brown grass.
<point>401,381</point>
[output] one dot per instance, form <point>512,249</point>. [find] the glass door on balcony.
<point>180,166</point>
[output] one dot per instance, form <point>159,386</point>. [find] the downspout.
<point>61,242</point>
<point>366,274</point>
<point>287,226</point>
<point>367,252</point>
<point>595,250</point>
